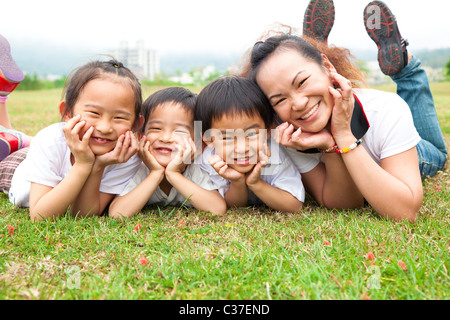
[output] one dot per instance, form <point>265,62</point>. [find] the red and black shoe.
<point>10,73</point>
<point>382,28</point>
<point>318,19</point>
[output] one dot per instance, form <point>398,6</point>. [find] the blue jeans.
<point>413,87</point>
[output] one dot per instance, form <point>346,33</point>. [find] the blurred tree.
<point>447,70</point>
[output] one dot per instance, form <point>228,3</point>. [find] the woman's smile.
<point>311,113</point>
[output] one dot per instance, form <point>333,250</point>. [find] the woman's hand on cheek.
<point>79,148</point>
<point>343,105</point>
<point>286,135</point>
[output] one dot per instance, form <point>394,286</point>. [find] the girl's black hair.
<point>182,96</point>
<point>232,95</point>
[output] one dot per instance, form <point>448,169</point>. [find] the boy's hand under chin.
<point>221,167</point>
<point>184,155</point>
<point>254,175</point>
<point>147,157</point>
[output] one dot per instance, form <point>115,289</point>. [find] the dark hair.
<point>78,79</point>
<point>179,95</point>
<point>310,49</point>
<point>231,95</point>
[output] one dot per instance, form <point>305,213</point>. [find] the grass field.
<point>250,253</point>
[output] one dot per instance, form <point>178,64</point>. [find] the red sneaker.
<point>11,141</point>
<point>318,19</point>
<point>382,28</point>
<point>10,73</point>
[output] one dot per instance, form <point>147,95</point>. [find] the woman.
<point>314,90</point>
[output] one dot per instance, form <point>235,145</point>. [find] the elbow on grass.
<point>117,214</point>
<point>35,217</point>
<point>220,210</point>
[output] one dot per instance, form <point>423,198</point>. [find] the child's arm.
<point>52,202</point>
<point>49,202</point>
<point>237,194</point>
<point>275,198</point>
<point>272,196</point>
<point>90,201</point>
<point>131,203</point>
<point>200,198</point>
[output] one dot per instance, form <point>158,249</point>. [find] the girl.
<point>308,87</point>
<point>83,162</point>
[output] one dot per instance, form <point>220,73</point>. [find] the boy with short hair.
<point>166,176</point>
<point>246,165</point>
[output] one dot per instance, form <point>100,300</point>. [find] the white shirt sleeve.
<point>116,176</point>
<point>220,183</point>
<point>285,175</point>
<point>396,129</point>
<point>138,177</point>
<point>45,164</point>
<point>304,162</point>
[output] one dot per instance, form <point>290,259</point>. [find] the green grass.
<point>250,253</point>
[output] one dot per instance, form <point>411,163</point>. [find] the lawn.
<point>250,253</point>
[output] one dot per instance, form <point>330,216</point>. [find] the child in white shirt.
<point>236,117</point>
<point>166,175</point>
<point>82,163</point>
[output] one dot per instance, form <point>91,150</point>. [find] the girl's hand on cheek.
<point>125,148</point>
<point>80,149</point>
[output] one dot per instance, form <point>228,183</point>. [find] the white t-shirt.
<point>391,130</point>
<point>48,162</point>
<point>280,172</point>
<point>174,198</point>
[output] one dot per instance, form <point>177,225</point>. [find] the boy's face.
<point>167,124</point>
<point>237,139</point>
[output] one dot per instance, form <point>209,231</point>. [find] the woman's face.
<point>298,89</point>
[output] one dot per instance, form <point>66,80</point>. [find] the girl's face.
<point>107,105</point>
<point>238,139</point>
<point>167,124</point>
<point>298,89</point>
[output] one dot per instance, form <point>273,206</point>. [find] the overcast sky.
<point>205,25</point>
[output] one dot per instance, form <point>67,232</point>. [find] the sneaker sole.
<point>8,68</point>
<point>319,19</point>
<point>386,36</point>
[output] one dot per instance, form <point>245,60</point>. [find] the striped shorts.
<point>8,167</point>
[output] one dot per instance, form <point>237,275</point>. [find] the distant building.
<point>144,63</point>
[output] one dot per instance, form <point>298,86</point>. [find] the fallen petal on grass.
<point>402,265</point>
